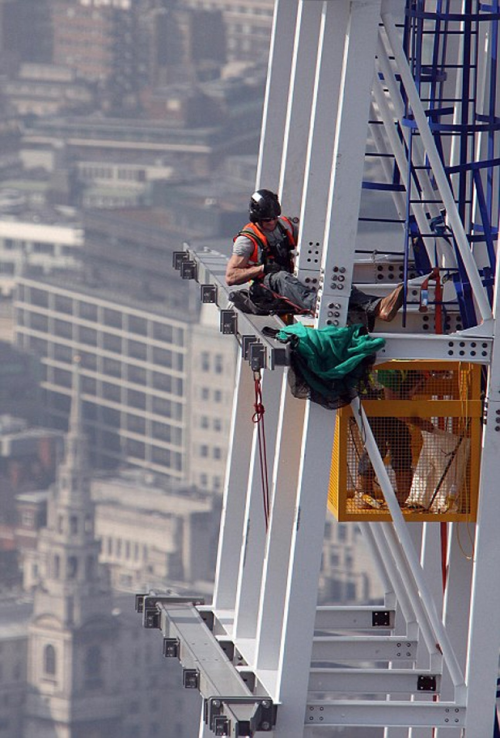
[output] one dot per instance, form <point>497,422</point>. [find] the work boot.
<point>389,305</point>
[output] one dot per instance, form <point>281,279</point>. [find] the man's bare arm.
<point>238,270</point>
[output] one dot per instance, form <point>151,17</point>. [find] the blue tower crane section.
<point>380,131</point>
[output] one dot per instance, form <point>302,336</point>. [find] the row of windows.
<point>133,175</point>
<point>102,315</point>
<point>36,247</point>
<point>128,549</point>
<point>212,363</point>
<point>207,393</point>
<point>211,423</point>
<point>90,337</point>
<point>205,452</point>
<point>216,485</point>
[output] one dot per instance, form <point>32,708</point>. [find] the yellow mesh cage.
<point>426,419</point>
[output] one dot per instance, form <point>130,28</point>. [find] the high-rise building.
<point>98,41</point>
<point>145,354</point>
<point>248,26</point>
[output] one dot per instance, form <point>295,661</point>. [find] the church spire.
<point>74,473</point>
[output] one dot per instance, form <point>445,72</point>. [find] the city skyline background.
<point>127,127</point>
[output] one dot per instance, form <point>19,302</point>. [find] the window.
<point>162,382</point>
<point>137,375</point>
<point>63,328</point>
<point>217,423</point>
<point>112,318</point>
<point>136,399</point>
<point>49,660</point>
<point>73,525</point>
<point>204,422</point>
<point>217,452</point>
<point>161,431</point>
<point>112,343</point>
<point>205,361</point>
<point>88,336</point>
<point>162,407</point>
<point>63,353</point>
<point>341,532</point>
<point>137,325</point>
<point>162,357</point>
<point>162,332</point>
<point>205,393</point>
<point>219,364</point>
<point>110,392</point>
<point>39,298</point>
<point>89,361</point>
<point>217,396</point>
<point>161,456</point>
<point>112,367</point>
<point>136,424</point>
<point>88,311</point>
<point>204,451</point>
<point>137,350</point>
<point>64,304</point>
<point>39,322</point>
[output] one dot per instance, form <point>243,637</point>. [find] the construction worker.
<point>263,255</point>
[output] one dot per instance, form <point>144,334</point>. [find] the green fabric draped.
<point>329,355</point>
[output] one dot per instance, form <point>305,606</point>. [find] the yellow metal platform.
<point>434,431</point>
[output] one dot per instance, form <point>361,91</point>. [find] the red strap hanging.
<point>258,418</point>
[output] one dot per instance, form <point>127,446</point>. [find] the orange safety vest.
<point>260,242</point>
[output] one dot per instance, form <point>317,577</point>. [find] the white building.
<point>39,241</point>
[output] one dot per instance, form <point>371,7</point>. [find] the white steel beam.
<point>348,157</point>
<point>299,612</point>
<point>275,101</point>
<point>254,535</point>
<point>484,633</point>
<point>363,648</point>
<point>278,544</point>
<point>299,105</point>
<point>331,44</point>
<point>377,713</point>
<point>233,505</point>
<point>457,602</point>
<point>370,681</point>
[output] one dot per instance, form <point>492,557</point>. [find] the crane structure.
<point>380,130</point>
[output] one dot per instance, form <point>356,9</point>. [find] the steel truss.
<point>421,77</point>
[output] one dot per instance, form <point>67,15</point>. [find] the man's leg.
<point>365,308</point>
<point>288,286</point>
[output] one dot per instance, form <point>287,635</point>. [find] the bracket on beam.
<point>228,322</point>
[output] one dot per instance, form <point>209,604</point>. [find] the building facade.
<point>248,26</point>
<point>136,375</point>
<point>41,241</point>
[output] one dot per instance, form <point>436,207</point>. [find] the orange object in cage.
<point>426,419</point>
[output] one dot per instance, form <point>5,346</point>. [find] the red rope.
<point>258,418</point>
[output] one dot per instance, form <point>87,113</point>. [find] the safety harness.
<point>263,251</point>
